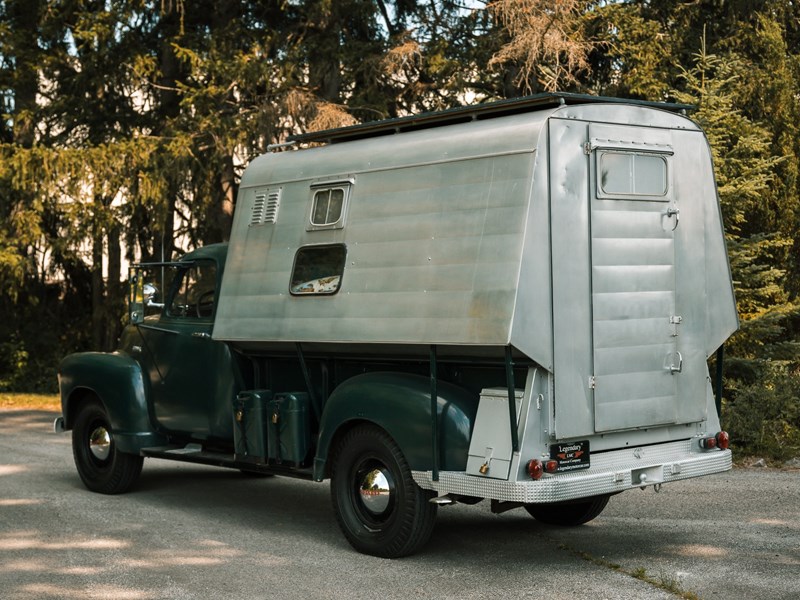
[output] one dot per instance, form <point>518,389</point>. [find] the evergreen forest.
<point>126,126</point>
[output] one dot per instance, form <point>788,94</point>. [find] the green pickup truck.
<point>511,302</point>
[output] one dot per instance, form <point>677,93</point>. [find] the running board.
<point>194,453</point>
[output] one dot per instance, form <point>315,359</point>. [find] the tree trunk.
<point>23,16</point>
<point>115,288</point>
<point>98,289</point>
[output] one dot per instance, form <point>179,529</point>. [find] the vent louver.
<point>265,207</point>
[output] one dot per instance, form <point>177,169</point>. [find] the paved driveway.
<point>192,532</point>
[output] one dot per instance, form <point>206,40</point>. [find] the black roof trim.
<point>474,112</point>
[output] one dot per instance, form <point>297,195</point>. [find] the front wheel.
<point>568,514</point>
<point>101,466</point>
<point>379,507</point>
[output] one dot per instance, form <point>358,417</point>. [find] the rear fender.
<point>117,380</point>
<point>400,403</point>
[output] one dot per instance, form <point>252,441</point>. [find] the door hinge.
<point>675,320</point>
<point>592,382</point>
<point>587,148</point>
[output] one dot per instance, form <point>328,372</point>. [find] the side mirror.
<point>141,298</point>
<point>136,299</point>
<point>149,291</point>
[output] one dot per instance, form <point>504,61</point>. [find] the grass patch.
<point>665,582</point>
<point>9,400</point>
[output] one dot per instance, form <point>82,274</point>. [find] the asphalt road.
<point>193,532</point>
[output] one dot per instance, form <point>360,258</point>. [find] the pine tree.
<point>746,170</point>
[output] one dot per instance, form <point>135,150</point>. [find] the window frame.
<point>316,247</point>
<point>321,186</point>
<point>602,193</point>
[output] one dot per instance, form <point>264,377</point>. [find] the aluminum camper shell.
<point>587,236</point>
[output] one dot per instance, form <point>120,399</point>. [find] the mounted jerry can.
<point>288,429</point>
<point>513,301</point>
<point>250,425</point>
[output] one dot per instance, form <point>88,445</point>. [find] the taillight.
<point>708,443</point>
<point>551,466</point>
<point>721,440</point>
<point>535,468</point>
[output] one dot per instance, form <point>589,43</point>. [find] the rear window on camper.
<point>328,206</point>
<point>318,270</point>
<point>622,174</point>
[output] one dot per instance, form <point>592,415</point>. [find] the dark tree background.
<point>126,125</point>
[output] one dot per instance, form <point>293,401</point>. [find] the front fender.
<point>400,403</point>
<point>117,380</point>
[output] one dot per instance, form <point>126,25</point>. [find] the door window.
<point>194,292</point>
<point>626,174</point>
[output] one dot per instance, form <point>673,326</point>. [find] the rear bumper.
<point>610,473</point>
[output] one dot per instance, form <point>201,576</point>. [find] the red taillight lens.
<point>708,443</point>
<point>551,466</point>
<point>723,440</point>
<point>535,468</point>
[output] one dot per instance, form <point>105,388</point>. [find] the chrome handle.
<point>201,334</point>
<point>674,212</point>
<point>677,369</point>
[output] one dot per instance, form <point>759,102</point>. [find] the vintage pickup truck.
<point>513,301</point>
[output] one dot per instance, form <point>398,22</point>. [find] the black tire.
<point>568,514</point>
<point>101,466</point>
<point>388,525</point>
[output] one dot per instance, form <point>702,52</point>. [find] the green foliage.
<point>126,125</point>
<point>763,418</point>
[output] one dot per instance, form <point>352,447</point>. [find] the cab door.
<point>192,377</point>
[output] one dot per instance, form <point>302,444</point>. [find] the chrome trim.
<point>375,491</point>
<point>100,443</point>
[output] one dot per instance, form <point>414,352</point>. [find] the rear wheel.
<point>379,507</point>
<point>568,514</point>
<point>101,466</point>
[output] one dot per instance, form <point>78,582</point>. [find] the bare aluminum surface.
<point>490,446</point>
<point>610,472</point>
<point>632,280</point>
<point>434,235</point>
<point>449,238</point>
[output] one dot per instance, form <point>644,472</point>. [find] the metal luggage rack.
<point>464,114</point>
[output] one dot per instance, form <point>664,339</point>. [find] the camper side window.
<point>628,174</point>
<point>318,270</point>
<point>328,206</point>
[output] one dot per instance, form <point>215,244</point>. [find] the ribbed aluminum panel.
<point>611,472</point>
<point>633,298</point>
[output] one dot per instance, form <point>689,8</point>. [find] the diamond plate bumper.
<point>610,472</point>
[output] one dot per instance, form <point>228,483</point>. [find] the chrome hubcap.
<point>100,443</point>
<point>375,491</point>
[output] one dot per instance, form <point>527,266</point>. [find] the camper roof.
<point>469,113</point>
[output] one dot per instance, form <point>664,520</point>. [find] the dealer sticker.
<point>570,456</point>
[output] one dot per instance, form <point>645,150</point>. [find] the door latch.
<point>675,320</point>
<point>673,368</point>
<point>673,212</point>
